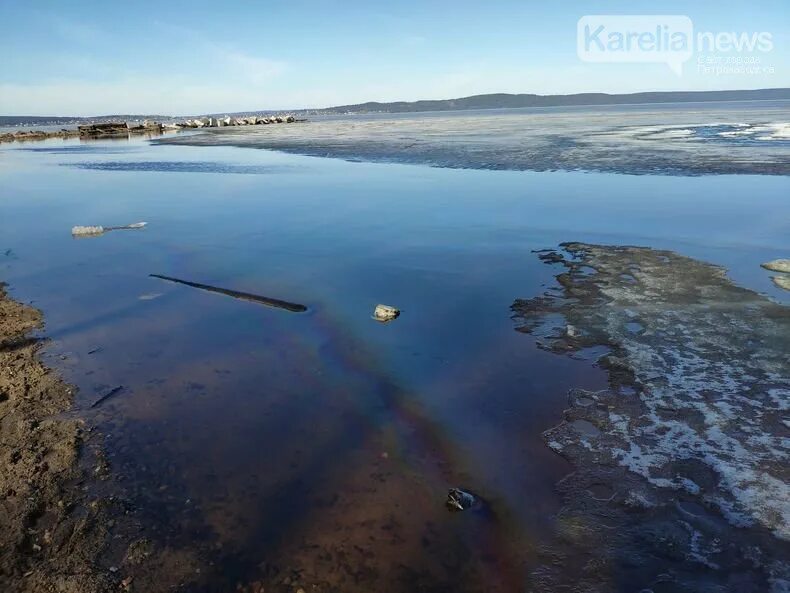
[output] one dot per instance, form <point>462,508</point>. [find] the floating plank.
<point>246,296</point>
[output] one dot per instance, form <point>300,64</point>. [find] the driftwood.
<point>293,307</point>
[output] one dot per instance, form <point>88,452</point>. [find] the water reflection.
<point>323,445</point>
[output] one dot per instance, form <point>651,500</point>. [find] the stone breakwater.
<point>248,120</point>
<point>682,480</point>
<point>22,136</point>
<point>121,128</point>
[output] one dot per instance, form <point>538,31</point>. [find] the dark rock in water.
<point>551,257</point>
<point>460,500</point>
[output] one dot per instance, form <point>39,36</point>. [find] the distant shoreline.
<point>474,102</point>
<point>514,101</point>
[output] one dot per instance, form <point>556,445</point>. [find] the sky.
<point>85,57</point>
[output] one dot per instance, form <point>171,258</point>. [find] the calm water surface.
<point>324,442</point>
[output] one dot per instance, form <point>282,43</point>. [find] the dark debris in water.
<point>460,500</point>
<point>107,396</point>
<point>236,294</point>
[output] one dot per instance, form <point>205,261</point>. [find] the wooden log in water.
<point>293,307</point>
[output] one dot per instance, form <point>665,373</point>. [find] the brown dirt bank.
<point>50,536</point>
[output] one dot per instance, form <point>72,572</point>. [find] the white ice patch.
<point>770,131</point>
<point>706,400</point>
<point>670,134</point>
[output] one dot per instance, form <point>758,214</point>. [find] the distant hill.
<point>492,101</point>
<point>505,100</point>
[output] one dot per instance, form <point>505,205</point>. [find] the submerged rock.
<point>778,265</point>
<point>694,415</point>
<point>459,500</point>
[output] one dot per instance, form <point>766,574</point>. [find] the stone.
<point>385,313</point>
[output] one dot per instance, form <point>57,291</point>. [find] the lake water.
<point>323,443</point>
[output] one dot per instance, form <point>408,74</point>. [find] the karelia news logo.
<point>667,39</point>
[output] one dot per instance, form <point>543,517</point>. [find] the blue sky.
<point>89,57</point>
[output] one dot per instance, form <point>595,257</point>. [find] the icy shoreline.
<point>700,389</point>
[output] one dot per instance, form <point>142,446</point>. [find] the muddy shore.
<point>51,534</point>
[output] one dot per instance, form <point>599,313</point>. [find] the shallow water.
<point>324,442</point>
